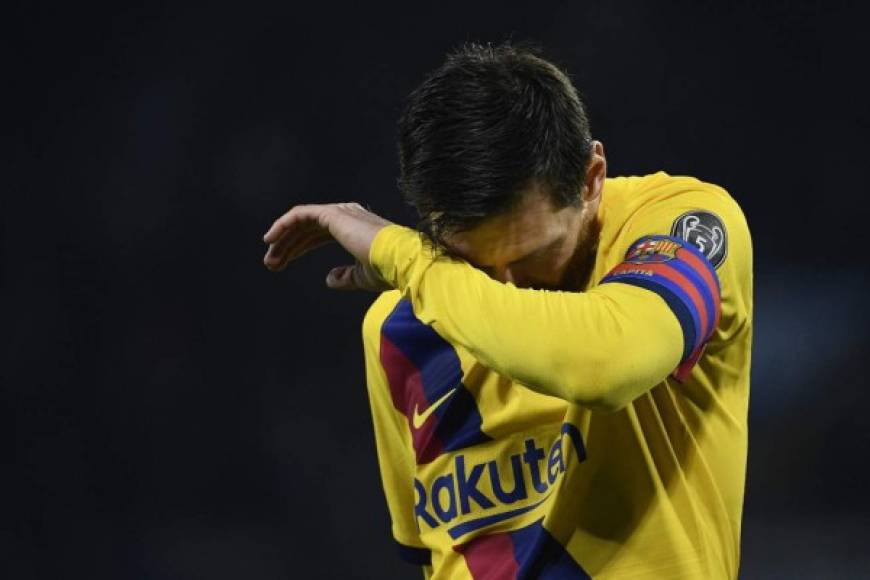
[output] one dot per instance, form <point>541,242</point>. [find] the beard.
<point>579,269</point>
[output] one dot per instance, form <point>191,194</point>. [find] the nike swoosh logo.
<point>417,420</point>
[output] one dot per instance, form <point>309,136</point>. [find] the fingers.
<point>293,234</point>
<point>279,228</point>
<point>287,222</point>
<point>293,246</point>
<point>287,239</point>
<point>310,241</point>
<point>276,230</point>
<point>275,253</point>
<point>306,227</point>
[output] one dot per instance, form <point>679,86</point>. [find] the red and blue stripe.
<point>687,282</point>
<point>529,552</point>
<point>421,368</point>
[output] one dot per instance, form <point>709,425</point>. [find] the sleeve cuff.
<point>393,252</point>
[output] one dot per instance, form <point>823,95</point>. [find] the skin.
<point>535,245</point>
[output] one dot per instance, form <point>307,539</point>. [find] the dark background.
<point>173,410</point>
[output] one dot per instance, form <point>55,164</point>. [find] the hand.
<point>306,227</point>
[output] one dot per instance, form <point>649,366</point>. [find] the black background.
<point>174,410</point>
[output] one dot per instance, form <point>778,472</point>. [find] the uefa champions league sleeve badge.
<point>706,232</point>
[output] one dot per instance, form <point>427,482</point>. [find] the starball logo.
<point>480,487</point>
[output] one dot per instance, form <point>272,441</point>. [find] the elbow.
<point>605,384</point>
<point>607,403</point>
<point>603,398</point>
<point>608,375</point>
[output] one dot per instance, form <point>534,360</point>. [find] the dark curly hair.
<point>488,123</point>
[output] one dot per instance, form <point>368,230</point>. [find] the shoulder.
<point>694,212</point>
<point>626,196</point>
<point>702,213</point>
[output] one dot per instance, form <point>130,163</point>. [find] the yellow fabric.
<point>660,492</point>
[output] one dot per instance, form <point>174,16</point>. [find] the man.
<point>558,364</point>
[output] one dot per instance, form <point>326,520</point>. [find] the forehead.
<point>532,224</point>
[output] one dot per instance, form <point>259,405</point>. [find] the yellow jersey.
<point>526,433</point>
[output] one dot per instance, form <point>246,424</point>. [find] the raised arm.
<point>652,314</point>
<point>600,348</point>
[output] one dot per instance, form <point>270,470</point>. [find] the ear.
<point>596,171</point>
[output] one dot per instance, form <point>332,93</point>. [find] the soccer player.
<point>557,361</point>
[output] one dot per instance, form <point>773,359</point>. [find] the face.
<point>537,245</point>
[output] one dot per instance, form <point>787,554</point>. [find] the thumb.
<point>355,277</point>
<point>339,277</point>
